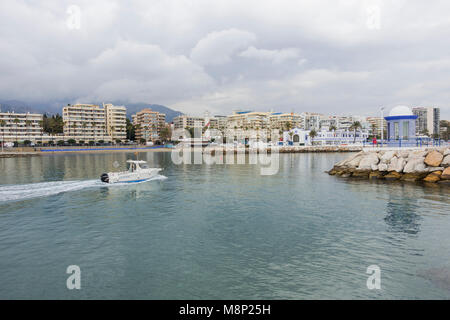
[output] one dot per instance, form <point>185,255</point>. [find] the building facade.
<point>148,124</point>
<point>185,121</point>
<point>428,120</point>
<point>401,124</point>
<point>85,122</point>
<point>21,127</point>
<point>116,122</point>
<point>283,121</point>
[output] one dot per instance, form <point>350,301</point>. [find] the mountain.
<point>132,108</point>
<point>17,107</point>
<point>52,108</point>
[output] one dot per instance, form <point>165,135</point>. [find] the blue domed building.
<point>401,125</point>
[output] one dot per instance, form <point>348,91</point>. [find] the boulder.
<point>404,154</point>
<point>376,175</point>
<point>382,167</point>
<point>416,154</point>
<point>374,167</point>
<point>396,164</point>
<point>446,161</point>
<point>354,161</point>
<point>446,152</point>
<point>432,169</point>
<point>394,175</point>
<point>415,165</point>
<point>387,156</point>
<point>414,176</point>
<point>361,173</point>
<point>446,174</point>
<point>434,158</point>
<point>433,177</point>
<point>367,161</point>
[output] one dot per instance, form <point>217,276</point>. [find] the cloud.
<point>275,56</point>
<point>218,47</point>
<point>219,55</point>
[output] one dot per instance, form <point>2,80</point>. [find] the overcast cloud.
<point>337,57</point>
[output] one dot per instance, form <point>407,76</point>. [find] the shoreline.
<point>28,152</point>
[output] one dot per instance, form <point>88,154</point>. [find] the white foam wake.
<point>45,189</point>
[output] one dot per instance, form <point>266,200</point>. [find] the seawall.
<point>429,165</point>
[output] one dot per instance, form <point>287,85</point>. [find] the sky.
<point>334,57</point>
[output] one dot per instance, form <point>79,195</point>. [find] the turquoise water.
<point>217,231</point>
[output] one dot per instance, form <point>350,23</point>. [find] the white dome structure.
<point>400,111</point>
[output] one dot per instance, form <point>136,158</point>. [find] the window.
<point>396,131</point>
<point>405,130</point>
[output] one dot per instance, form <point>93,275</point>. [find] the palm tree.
<point>355,126</point>
<point>16,121</point>
<point>74,127</point>
<point>112,130</point>
<point>333,127</point>
<point>84,125</point>
<point>313,134</point>
<point>27,125</point>
<point>3,124</point>
<point>41,129</point>
<point>93,124</point>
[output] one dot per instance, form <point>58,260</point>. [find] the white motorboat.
<point>138,171</point>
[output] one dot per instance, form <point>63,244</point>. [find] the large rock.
<point>415,176</point>
<point>433,177</point>
<point>416,154</point>
<point>446,174</point>
<point>446,152</point>
<point>415,165</point>
<point>367,161</point>
<point>446,161</point>
<point>386,158</point>
<point>354,161</point>
<point>396,164</point>
<point>434,158</point>
<point>375,175</point>
<point>393,176</point>
<point>382,167</point>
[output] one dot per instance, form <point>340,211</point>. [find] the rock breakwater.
<point>429,165</point>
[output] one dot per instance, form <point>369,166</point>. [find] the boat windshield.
<point>144,166</point>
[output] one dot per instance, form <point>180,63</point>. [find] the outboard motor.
<point>104,177</point>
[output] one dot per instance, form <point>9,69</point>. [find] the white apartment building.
<point>427,121</point>
<point>21,127</point>
<point>116,122</point>
<point>148,124</point>
<point>311,120</point>
<point>248,120</point>
<point>185,121</point>
<point>90,122</point>
<point>376,123</point>
<point>281,121</point>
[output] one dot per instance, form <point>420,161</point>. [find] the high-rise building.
<point>248,120</point>
<point>149,124</point>
<point>116,122</point>
<point>376,123</point>
<point>185,121</point>
<point>20,127</point>
<point>283,121</point>
<point>85,122</point>
<point>427,122</point>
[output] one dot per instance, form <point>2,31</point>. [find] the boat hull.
<point>129,177</point>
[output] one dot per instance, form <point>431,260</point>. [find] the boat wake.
<point>45,189</point>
